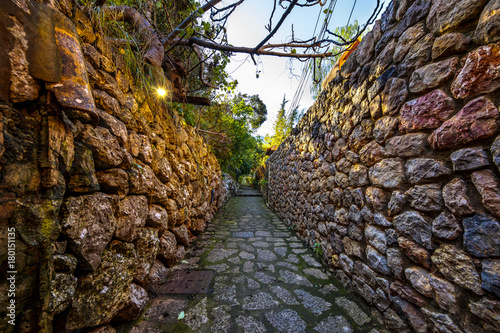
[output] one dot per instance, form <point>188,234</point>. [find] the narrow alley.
<point>264,280</point>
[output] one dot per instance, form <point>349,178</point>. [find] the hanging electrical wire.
<point>304,78</point>
<point>350,15</point>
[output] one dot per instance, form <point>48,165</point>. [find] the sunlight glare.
<point>161,92</point>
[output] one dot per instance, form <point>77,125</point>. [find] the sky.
<point>246,27</point>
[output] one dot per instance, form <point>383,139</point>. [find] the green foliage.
<point>228,126</point>
<point>317,250</point>
<point>165,16</point>
<point>250,109</point>
<point>323,66</point>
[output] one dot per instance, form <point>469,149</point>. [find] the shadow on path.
<point>266,283</point>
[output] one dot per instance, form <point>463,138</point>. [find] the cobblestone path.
<point>267,283</point>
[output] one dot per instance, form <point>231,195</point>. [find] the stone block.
<point>82,174</point>
<point>407,40</point>
<point>420,280</point>
<point>441,321</point>
<point>372,153</point>
<point>456,199</point>
<point>394,95</point>
<point>114,181</point>
<point>377,261</point>
<point>482,235</point>
<point>407,145</point>
<point>406,292</point>
<point>446,226</point>
<point>408,17</point>
<point>388,173</point>
<point>105,102</point>
<point>450,44</point>
<point>488,27</point>
<point>376,198</point>
<point>413,314</point>
<point>394,322</point>
<point>468,159</point>
<point>132,215</point>
<point>64,263</point>
<point>488,310</point>
<point>478,76</point>
<point>365,50</point>
<point>426,198</point>
<point>376,238</point>
<point>385,128</point>
<point>105,147</point>
<point>455,264</point>
<point>421,170</point>
<point>478,119</point>
<point>395,262</point>
<point>89,222</point>
<point>447,296</point>
<point>157,218</point>
<point>433,75</point>
<point>491,276</point>
<point>115,126</point>
<point>181,235</point>
<point>135,300</point>
<point>411,224</point>
<point>419,53</point>
<point>100,295</point>
<point>146,246</point>
<point>488,185</point>
<point>396,203</point>
<point>426,112</point>
<point>168,248</point>
<point>415,252</point>
<point>383,60</point>
<point>444,15</point>
<point>62,291</point>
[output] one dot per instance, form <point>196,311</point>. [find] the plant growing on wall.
<point>317,250</point>
<point>185,43</point>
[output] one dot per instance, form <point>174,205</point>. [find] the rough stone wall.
<point>394,170</point>
<point>104,187</point>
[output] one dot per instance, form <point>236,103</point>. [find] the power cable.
<point>352,10</point>
<point>306,69</point>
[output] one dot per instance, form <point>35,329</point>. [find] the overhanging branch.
<point>173,35</point>
<point>250,50</point>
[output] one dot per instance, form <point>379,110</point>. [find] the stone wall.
<point>103,185</point>
<point>394,170</point>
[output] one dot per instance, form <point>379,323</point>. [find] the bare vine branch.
<point>201,64</point>
<point>278,25</point>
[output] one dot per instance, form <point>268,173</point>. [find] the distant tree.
<point>283,124</point>
<point>249,108</point>
<point>228,126</point>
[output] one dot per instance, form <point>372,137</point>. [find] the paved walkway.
<point>266,283</point>
<point>246,191</point>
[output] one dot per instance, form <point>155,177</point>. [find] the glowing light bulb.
<point>161,92</point>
